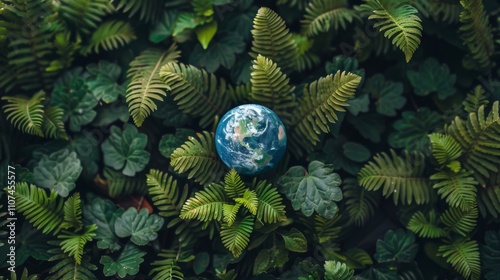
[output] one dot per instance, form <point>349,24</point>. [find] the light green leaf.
<point>295,241</point>
<point>58,171</point>
<point>141,226</point>
<point>205,33</point>
<point>103,213</point>
<point>433,77</point>
<point>125,149</point>
<point>187,21</point>
<point>388,94</point>
<point>127,263</point>
<point>316,189</point>
<point>397,246</point>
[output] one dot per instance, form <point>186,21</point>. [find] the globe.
<point>251,139</point>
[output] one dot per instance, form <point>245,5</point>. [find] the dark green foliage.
<point>102,189</point>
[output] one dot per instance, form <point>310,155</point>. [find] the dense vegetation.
<point>392,113</point>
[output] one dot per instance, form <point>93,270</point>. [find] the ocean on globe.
<point>251,139</point>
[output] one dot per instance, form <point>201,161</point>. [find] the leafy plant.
<point>107,143</point>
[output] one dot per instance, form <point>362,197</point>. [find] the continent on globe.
<point>251,139</point>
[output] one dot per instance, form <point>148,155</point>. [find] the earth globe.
<point>251,139</point>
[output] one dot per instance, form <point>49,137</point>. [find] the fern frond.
<point>445,11</point>
<point>237,236</point>
<point>463,255</point>
<point>426,226</point>
<point>398,21</point>
<point>444,148</point>
<point>52,125</point>
<point>272,39</point>
<point>26,114</point>
<point>42,211</point>
<point>72,213</point>
<point>82,16</point>
<point>476,32</point>
<point>400,176</point>
<point>67,268</point>
<point>271,88</point>
<point>165,194</point>
<point>323,15</point>
<point>229,212</point>
<point>122,185</point>
<point>233,185</point>
<point>475,99</point>
<point>327,229</point>
<point>479,137</point>
<point>249,200</point>
<point>271,208</point>
<point>145,85</point>
<point>488,200</point>
<point>73,243</point>
<point>166,270</point>
<point>460,221</point>
<point>199,157</point>
<point>306,57</point>
<point>206,205</point>
<point>360,203</point>
<point>322,99</point>
<point>197,92</point>
<point>110,36</point>
<point>459,189</point>
<point>149,11</point>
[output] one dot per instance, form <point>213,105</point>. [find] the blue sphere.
<point>251,139</point>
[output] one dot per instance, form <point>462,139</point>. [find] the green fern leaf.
<point>322,99</point>
<point>67,268</point>
<point>165,194</point>
<point>53,126</point>
<point>166,270</point>
<point>145,85</point>
<point>206,205</point>
<point>148,11</point>
<point>82,16</point>
<point>400,176</point>
<point>42,211</point>
<point>459,189</point>
<point>272,39</point>
<point>489,198</point>
<point>271,208</point>
<point>122,185</point>
<point>199,157</point>
<point>360,203</point>
<point>463,255</point>
<point>327,230</point>
<point>109,36</point>
<point>398,21</point>
<point>249,200</point>
<point>72,213</point>
<point>323,15</point>
<point>270,87</point>
<point>233,185</point>
<point>476,32</point>
<point>445,11</point>
<point>26,114</point>
<point>197,92</point>
<point>229,212</point>
<point>237,236</point>
<point>479,137</point>
<point>337,271</point>
<point>460,221</point>
<point>426,226</point>
<point>73,243</point>
<point>475,99</point>
<point>444,148</point>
